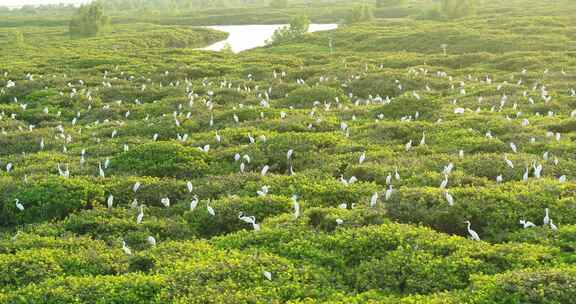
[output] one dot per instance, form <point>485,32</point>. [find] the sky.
<point>17,3</point>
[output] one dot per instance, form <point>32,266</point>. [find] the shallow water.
<point>245,37</point>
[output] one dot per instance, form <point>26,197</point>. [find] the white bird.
<point>140,216</point>
<point>289,154</point>
<point>388,193</point>
<point>339,221</point>
<point>249,220</point>
<point>152,241</point>
<point>265,170</point>
<point>472,233</point>
<point>204,149</point>
<point>527,224</point>
<point>194,203</point>
<point>562,179</point>
<point>537,170</point>
<point>374,200</point>
<point>100,170</point>
<point>348,182</point>
<point>449,198</point>
<point>408,146</point>
<point>165,201</point>
<point>296,206</point>
<point>546,217</point>
<point>136,187</point>
<point>513,147</point>
<point>210,209</point>
<point>19,205</point>
<point>499,178</point>
<point>110,201</point>
<point>267,275</point>
<point>189,186</point>
<point>134,203</point>
<point>362,158</point>
<point>525,176</point>
<point>508,162</point>
<point>263,191</point>
<point>552,226</point>
<point>444,182</point>
<point>125,248</point>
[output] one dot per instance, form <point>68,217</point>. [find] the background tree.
<point>89,21</point>
<point>360,13</point>
<point>458,8</point>
<point>297,28</point>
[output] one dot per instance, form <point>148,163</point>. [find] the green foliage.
<point>161,159</point>
<point>458,8</point>
<point>383,84</point>
<point>297,28</point>
<point>308,97</point>
<point>50,198</point>
<point>361,13</point>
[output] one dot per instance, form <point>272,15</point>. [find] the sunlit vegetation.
<point>423,155</point>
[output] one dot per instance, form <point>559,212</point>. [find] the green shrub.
<point>161,159</point>
<point>47,199</point>
<point>305,97</point>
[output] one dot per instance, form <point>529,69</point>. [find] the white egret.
<point>552,226</point>
<point>194,203</point>
<point>151,240</point>
<point>125,248</point>
<point>263,191</point>
<point>189,186</point>
<point>362,158</point>
<point>265,170</point>
<point>296,206</point>
<point>546,220</point>
<point>210,209</point>
<point>249,220</point>
<point>267,275</point>
<point>19,205</point>
<point>449,198</point>
<point>527,224</point>
<point>100,170</point>
<point>165,201</point>
<point>473,235</point>
<point>374,200</point>
<point>289,154</point>
<point>388,193</point>
<point>110,201</point>
<point>444,182</point>
<point>136,187</point>
<point>140,216</point>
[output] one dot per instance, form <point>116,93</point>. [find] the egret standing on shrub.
<point>473,235</point>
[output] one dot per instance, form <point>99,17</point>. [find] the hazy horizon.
<point>19,3</point>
